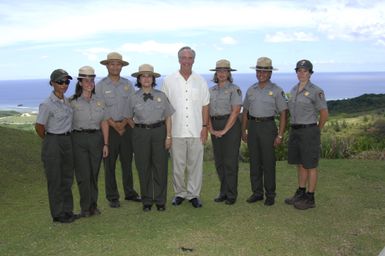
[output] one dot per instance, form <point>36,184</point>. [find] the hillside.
<point>365,102</point>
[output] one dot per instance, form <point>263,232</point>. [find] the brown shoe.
<point>305,204</point>
<point>299,195</point>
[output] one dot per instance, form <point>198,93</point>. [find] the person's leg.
<point>111,187</point>
<point>194,168</point>
<point>179,158</point>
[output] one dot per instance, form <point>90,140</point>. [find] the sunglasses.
<point>61,82</point>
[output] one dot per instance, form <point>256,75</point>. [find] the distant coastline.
<point>26,95</point>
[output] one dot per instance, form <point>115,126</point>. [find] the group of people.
<point>111,119</point>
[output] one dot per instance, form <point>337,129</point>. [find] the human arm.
<point>323,117</point>
<point>205,123</point>
<point>281,129</point>
<point>40,130</point>
<point>244,125</point>
<point>105,132</point>
<point>168,141</point>
<point>230,121</point>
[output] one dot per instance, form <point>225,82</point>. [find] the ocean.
<point>26,95</point>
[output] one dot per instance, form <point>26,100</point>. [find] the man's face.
<point>114,67</point>
<point>186,60</point>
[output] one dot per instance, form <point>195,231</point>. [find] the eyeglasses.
<point>61,82</point>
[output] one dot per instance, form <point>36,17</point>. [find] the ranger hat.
<point>86,72</point>
<point>223,65</point>
<point>304,64</point>
<point>264,64</point>
<point>114,56</point>
<point>59,74</point>
<point>145,69</point>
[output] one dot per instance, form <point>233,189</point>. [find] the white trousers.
<point>187,166</point>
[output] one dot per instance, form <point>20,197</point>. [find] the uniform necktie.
<point>147,96</point>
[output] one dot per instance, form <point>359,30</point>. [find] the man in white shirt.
<point>189,94</point>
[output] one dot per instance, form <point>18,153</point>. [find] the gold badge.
<point>98,103</point>
<point>306,93</point>
<point>158,99</point>
<point>270,93</point>
<point>126,88</point>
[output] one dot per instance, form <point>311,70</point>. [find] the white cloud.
<point>228,40</point>
<point>150,47</point>
<point>42,21</point>
<point>280,37</point>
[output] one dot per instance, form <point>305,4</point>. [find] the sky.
<point>39,36</point>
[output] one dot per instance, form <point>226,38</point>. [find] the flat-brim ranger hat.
<point>145,69</point>
<point>264,64</point>
<point>223,65</point>
<point>114,56</point>
<point>86,72</point>
<point>59,74</point>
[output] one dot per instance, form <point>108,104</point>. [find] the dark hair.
<point>186,48</point>
<point>139,85</point>
<point>79,90</point>
<point>215,78</point>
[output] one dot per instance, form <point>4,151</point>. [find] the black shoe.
<point>114,203</point>
<point>269,201</point>
<point>177,200</point>
<point>73,216</point>
<point>305,203</point>
<point>299,195</point>
<point>220,199</point>
<point>161,207</point>
<point>136,198</point>
<point>196,203</point>
<point>230,201</point>
<point>254,198</point>
<point>63,219</point>
<point>95,211</point>
<point>146,208</point>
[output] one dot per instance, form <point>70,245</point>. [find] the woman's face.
<point>223,75</point>
<point>61,86</point>
<point>146,80</point>
<point>88,84</point>
<point>303,75</point>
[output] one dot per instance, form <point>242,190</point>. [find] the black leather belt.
<point>59,134</point>
<point>150,126</point>
<point>299,126</point>
<point>261,119</point>
<point>220,117</point>
<point>87,130</point>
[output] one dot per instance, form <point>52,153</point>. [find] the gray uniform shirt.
<point>88,114</point>
<point>304,106</point>
<point>55,114</point>
<point>223,98</point>
<point>116,95</point>
<point>150,111</point>
<point>265,102</point>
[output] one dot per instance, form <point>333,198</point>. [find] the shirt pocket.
<point>110,98</point>
<point>195,95</point>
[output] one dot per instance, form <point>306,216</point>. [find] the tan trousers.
<point>187,166</point>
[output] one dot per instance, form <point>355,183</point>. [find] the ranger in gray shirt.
<point>116,91</point>
<point>53,125</point>
<point>263,101</point>
<point>308,115</point>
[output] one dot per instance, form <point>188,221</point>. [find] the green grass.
<point>349,218</point>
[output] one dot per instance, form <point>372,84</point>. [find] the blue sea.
<point>26,95</point>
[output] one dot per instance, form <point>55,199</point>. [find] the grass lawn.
<point>349,218</point>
